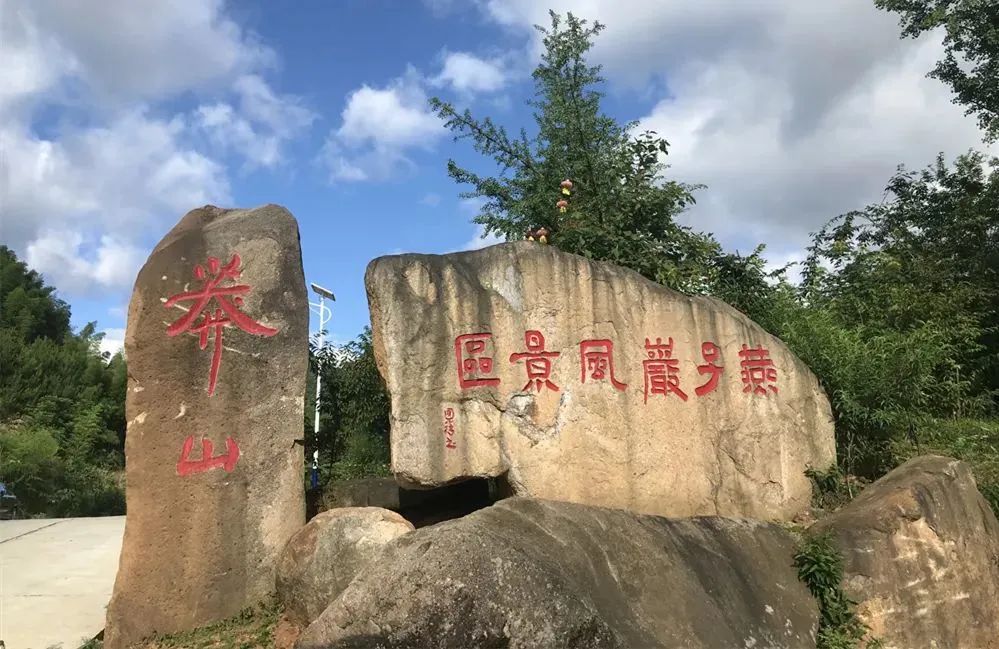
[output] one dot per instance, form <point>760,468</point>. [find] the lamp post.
<point>325,314</point>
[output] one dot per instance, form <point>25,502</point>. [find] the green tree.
<point>927,257</point>
<point>354,423</point>
<point>971,40</point>
<point>62,401</point>
<point>621,207</point>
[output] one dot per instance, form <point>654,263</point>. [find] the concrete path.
<point>56,577</point>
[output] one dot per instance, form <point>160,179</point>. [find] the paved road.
<point>56,577</point>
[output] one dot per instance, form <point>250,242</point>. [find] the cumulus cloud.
<point>378,125</point>
<point>467,73</point>
<point>96,162</point>
<point>125,50</point>
<point>113,341</point>
<point>104,184</point>
<point>260,123</point>
<point>790,112</point>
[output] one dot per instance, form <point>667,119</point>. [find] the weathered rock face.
<point>325,555</point>
<point>922,557</point>
<point>217,345</point>
<point>582,381</point>
<point>534,574</point>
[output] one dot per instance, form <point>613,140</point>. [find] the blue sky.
<point>118,117</point>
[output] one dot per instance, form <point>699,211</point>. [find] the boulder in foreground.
<point>534,574</point>
<point>921,549</point>
<point>323,557</point>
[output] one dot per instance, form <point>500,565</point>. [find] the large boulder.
<point>217,344</point>
<point>582,381</point>
<point>921,550</point>
<point>532,574</point>
<point>323,557</point>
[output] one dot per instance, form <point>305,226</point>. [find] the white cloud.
<point>108,184</point>
<point>480,240</point>
<point>377,126</point>
<point>95,163</point>
<point>60,256</point>
<point>113,341</point>
<point>790,112</point>
<point>125,50</point>
<point>259,126</point>
<point>467,73</point>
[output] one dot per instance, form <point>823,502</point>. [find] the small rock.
<point>325,555</point>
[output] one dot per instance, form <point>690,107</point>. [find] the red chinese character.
<point>227,312</point>
<point>449,428</point>
<point>539,362</point>
<point>661,370</point>
<point>758,371</point>
<point>473,365</point>
<point>710,352</point>
<point>186,466</point>
<point>596,358</point>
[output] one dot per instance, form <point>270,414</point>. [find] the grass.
<point>255,627</point>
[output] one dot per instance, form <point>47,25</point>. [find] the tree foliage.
<point>970,65</point>
<point>354,422</point>
<point>62,403</point>
<point>622,208</point>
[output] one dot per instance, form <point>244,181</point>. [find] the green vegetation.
<point>256,627</point>
<point>354,418</point>
<point>621,208</point>
<point>62,403</point>
<point>831,489</point>
<point>820,567</point>
<point>971,50</point>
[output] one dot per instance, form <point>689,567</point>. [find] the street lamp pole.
<point>325,315</point>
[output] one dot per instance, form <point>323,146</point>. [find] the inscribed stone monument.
<point>216,346</point>
<point>582,381</point>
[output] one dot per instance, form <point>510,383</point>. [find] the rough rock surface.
<point>922,557</point>
<point>458,336</point>
<point>534,574</point>
<point>215,398</point>
<point>323,557</point>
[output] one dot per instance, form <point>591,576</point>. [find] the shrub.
<point>820,567</point>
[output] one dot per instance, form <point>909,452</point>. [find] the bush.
<point>880,382</point>
<point>820,567</point>
<point>364,456</point>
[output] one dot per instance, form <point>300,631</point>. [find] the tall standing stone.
<point>583,381</point>
<point>216,344</point>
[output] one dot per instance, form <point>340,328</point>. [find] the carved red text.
<point>758,372</point>
<point>228,299</point>
<point>661,370</point>
<point>186,466</point>
<point>711,353</point>
<point>538,362</point>
<point>596,358</point>
<point>474,360</point>
<point>449,428</point>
